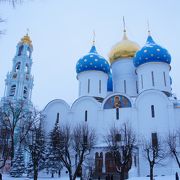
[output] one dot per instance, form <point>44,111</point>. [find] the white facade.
<point>124,77</point>
<point>146,102</point>
<point>92,83</point>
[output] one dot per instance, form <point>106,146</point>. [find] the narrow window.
<point>100,86</point>
<point>88,85</point>
<point>136,87</point>
<point>141,81</point>
<point>135,161</point>
<point>154,139</point>
<point>118,137</point>
<point>27,69</point>
<point>152,75</point>
<point>152,111</point>
<point>125,86</point>
<point>20,50</point>
<point>12,90</point>
<point>86,116</point>
<point>28,52</point>
<point>18,65</point>
<point>57,117</point>
<point>25,93</point>
<point>117,113</point>
<point>164,78</point>
<point>85,140</point>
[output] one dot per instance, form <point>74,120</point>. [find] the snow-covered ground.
<point>7,177</point>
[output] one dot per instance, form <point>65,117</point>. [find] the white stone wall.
<point>154,75</point>
<point>124,77</point>
<point>92,83</point>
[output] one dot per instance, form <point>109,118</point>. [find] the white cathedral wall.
<point>162,122</point>
<point>124,77</point>
<point>92,83</point>
<point>138,116</point>
<point>154,75</point>
<point>92,107</point>
<point>51,110</point>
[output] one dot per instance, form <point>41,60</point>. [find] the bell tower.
<point>19,82</point>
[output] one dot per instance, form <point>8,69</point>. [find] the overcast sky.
<point>61,31</point>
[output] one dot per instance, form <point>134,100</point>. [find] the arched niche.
<point>17,67</point>
<point>12,90</point>
<point>20,50</point>
<point>25,92</point>
<point>28,52</point>
<point>117,101</point>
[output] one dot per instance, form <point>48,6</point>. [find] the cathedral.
<point>133,86</point>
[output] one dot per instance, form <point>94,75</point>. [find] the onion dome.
<point>124,49</point>
<point>110,83</point>
<point>92,61</point>
<point>26,40</point>
<point>151,52</point>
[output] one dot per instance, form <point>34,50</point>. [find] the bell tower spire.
<point>19,82</point>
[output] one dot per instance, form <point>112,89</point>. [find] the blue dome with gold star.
<point>92,61</point>
<point>151,52</point>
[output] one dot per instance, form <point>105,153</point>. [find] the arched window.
<point>125,86</point>
<point>152,75</point>
<point>136,87</point>
<point>20,50</point>
<point>28,52</point>
<point>117,113</point>
<point>154,139</point>
<point>164,74</point>
<point>57,117</point>
<point>27,69</point>
<point>152,111</point>
<point>86,116</point>
<point>88,85</point>
<point>25,93</point>
<point>18,66</point>
<point>12,90</point>
<point>100,86</point>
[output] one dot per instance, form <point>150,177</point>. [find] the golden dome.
<point>123,49</point>
<point>26,40</point>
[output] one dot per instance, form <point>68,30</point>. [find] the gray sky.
<point>61,31</point>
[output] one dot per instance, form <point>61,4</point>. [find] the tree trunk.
<point>122,174</point>
<point>35,171</point>
<point>177,160</point>
<point>151,172</point>
<point>52,175</point>
<point>70,174</point>
<point>36,174</point>
<point>12,149</point>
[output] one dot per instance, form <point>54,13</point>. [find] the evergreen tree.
<point>18,166</point>
<point>53,163</point>
<point>36,144</point>
<point>29,168</point>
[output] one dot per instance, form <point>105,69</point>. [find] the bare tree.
<point>12,2</point>
<point>35,146</point>
<point>121,143</point>
<point>174,149</point>
<point>4,145</point>
<point>17,120</point>
<point>75,146</point>
<point>154,152</point>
